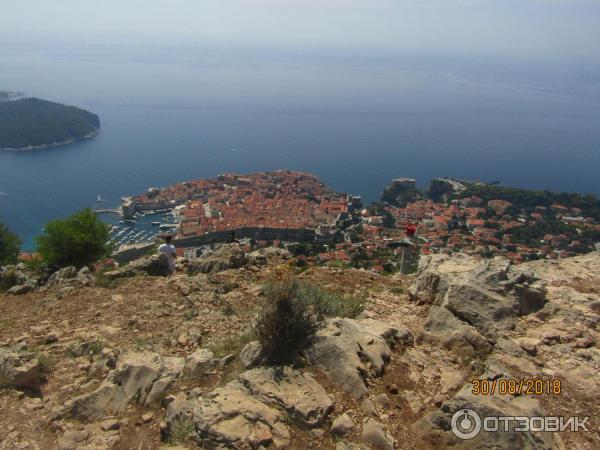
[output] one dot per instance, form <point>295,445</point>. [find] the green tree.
<point>10,245</point>
<point>388,220</point>
<point>77,241</point>
<point>376,208</point>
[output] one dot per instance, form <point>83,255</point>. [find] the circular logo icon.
<point>466,424</point>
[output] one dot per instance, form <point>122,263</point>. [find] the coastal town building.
<point>280,199</point>
<point>285,207</point>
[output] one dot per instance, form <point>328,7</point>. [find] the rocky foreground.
<point>136,360</point>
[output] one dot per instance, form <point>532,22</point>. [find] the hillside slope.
<point>146,361</point>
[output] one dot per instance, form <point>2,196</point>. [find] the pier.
<point>117,211</point>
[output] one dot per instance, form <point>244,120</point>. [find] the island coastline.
<point>35,124</point>
<point>33,148</point>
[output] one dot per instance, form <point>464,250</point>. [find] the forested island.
<point>33,123</point>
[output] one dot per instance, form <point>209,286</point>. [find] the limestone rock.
<point>342,425</point>
<point>19,369</point>
<point>202,359</point>
<point>251,354</point>
<point>436,273</point>
<point>227,256</point>
<point>487,294</point>
<point>434,428</point>
<point>374,434</point>
<point>489,312</point>
<point>20,289</point>
<point>70,277</point>
<point>229,416</point>
<point>296,392</point>
<point>17,280</point>
<point>443,329</point>
<point>268,255</point>
<point>72,439</point>
<point>110,424</point>
<point>155,265</point>
<point>382,401</point>
<point>349,351</point>
<point>139,377</point>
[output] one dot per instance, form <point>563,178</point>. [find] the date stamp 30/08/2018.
<point>523,386</point>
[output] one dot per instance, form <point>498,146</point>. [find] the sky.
<point>564,31</point>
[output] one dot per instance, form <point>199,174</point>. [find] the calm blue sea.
<point>173,112</point>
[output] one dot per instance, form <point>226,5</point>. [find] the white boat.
<point>99,198</point>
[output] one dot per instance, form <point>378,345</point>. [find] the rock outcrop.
<point>361,384</point>
<point>70,276</point>
<point>304,400</point>
<point>227,256</point>
<point>252,410</point>
<point>531,321</point>
<point>202,359</point>
<point>251,354</point>
<point>268,255</point>
<point>435,427</point>
<point>350,351</point>
<point>154,265</point>
<point>443,329</point>
<point>17,280</point>
<point>139,377</point>
<point>229,417</point>
<point>374,434</point>
<point>486,294</point>
<point>342,425</point>
<point>19,369</point>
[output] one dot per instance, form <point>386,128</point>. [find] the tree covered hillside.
<point>35,122</point>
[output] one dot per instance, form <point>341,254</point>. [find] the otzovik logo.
<point>467,424</point>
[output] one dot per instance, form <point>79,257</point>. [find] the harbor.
<point>142,228</point>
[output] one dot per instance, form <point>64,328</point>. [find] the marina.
<point>144,227</point>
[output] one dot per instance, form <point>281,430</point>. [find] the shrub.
<point>180,431</point>
<point>232,344</point>
<point>10,245</point>
<point>79,240</point>
<point>46,364</point>
<point>8,279</point>
<point>294,312</point>
<point>336,304</point>
<point>287,323</point>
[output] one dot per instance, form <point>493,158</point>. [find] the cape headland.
<point>34,124</point>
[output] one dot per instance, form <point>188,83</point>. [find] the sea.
<point>177,111</point>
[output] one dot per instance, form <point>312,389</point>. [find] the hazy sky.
<point>551,30</point>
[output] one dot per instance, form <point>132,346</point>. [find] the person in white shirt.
<point>169,251</point>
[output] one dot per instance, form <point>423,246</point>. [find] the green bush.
<point>180,431</point>
<point>10,245</point>
<point>331,303</point>
<point>293,314</point>
<point>287,323</point>
<point>79,240</point>
<point>8,280</point>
